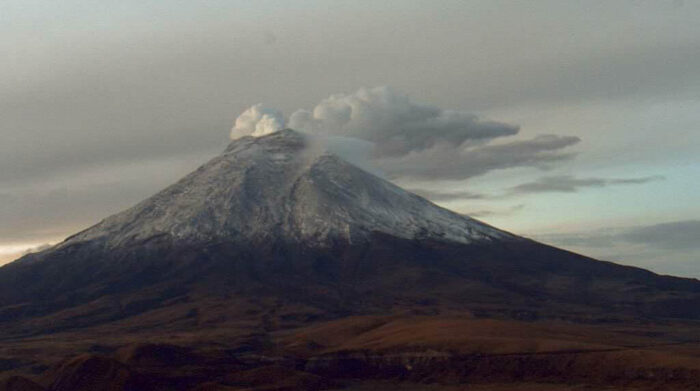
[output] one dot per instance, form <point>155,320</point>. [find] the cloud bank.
<point>500,212</point>
<point>437,195</point>
<point>571,184</point>
<point>395,124</point>
<point>670,247</point>
<point>677,235</point>
<point>412,140</point>
<point>457,162</point>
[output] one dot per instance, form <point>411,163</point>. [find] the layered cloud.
<point>412,140</point>
<point>572,184</point>
<point>498,212</point>
<point>437,195</point>
<point>456,162</point>
<point>677,235</point>
<point>394,123</point>
<point>670,247</point>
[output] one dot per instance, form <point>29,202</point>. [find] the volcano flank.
<point>279,247</point>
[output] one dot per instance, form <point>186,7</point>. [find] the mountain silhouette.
<point>280,217</point>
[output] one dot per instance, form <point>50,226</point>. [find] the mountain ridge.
<point>278,216</point>
<point>271,182</point>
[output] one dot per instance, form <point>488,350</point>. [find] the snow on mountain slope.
<point>279,216</point>
<point>277,186</point>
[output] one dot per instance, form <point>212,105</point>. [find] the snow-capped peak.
<point>275,186</point>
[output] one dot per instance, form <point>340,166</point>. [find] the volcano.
<point>278,265</point>
<point>280,217</point>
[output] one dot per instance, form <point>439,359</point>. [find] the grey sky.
<point>103,103</point>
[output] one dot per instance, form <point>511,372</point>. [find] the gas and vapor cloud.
<point>412,140</point>
<point>257,121</point>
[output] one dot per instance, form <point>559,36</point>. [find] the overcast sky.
<point>573,122</point>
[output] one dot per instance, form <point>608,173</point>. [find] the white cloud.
<point>394,123</point>
<point>257,120</point>
<point>408,139</point>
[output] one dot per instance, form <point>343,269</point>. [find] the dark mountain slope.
<point>276,216</point>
